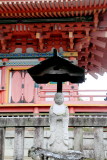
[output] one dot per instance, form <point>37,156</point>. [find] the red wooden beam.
<point>98,43</point>
<point>95,62</point>
<point>15,4</point>
<point>26,6</point>
<point>97,52</point>
<point>21,7</point>
<point>99,34</point>
<point>30,5</point>
<point>93,68</point>
<point>93,74</point>
<point>10,4</point>
<point>47,4</point>
<point>2,7</point>
<point>7,6</point>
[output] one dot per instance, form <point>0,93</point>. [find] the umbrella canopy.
<point>57,69</point>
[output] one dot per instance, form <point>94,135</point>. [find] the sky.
<point>94,84</point>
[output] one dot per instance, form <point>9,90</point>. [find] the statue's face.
<point>59,99</point>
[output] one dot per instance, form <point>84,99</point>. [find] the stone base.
<point>41,154</point>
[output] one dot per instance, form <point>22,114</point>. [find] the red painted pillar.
<point>36,110</point>
<point>71,110</point>
<point>42,95</point>
<point>3,82</point>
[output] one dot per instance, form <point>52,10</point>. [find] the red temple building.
<point>29,30</point>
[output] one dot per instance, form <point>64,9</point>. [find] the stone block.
<point>89,154</point>
<point>8,152</point>
<point>29,132</point>
<point>71,144</point>
<point>9,143</point>
<point>88,144</point>
<point>28,142</point>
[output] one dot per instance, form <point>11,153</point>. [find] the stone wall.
<point>88,141</point>
<point>28,131</point>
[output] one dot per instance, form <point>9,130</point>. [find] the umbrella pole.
<point>59,86</point>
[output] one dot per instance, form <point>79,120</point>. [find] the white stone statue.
<point>58,142</point>
<point>59,119</point>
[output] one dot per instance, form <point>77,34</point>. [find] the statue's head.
<point>59,98</point>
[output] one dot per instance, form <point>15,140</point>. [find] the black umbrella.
<point>57,69</point>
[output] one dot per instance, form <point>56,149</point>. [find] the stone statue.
<point>58,141</point>
<point>59,119</point>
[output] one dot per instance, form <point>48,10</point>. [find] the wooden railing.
<point>78,95</point>
<point>92,94</point>
<point>46,96</point>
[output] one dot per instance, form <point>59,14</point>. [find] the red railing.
<point>92,95</point>
<point>78,95</point>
